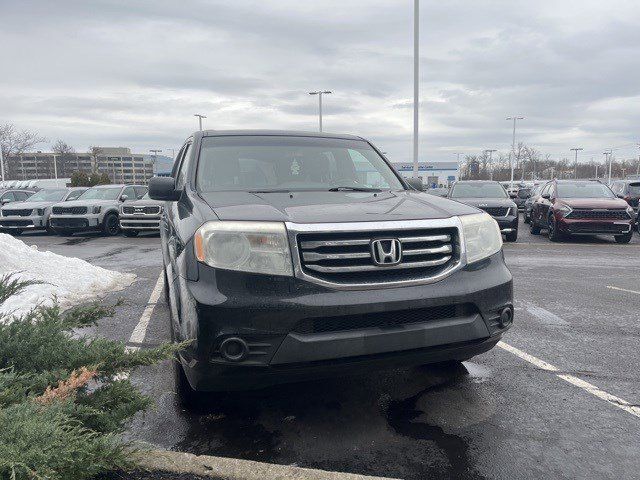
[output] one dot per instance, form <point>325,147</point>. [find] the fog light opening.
<point>506,316</point>
<point>234,349</point>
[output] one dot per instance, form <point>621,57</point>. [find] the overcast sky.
<point>133,73</point>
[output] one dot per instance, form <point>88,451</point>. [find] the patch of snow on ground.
<point>70,280</point>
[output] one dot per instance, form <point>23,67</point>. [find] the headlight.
<point>513,211</point>
<point>97,209</point>
<point>481,234</point>
<point>40,212</point>
<point>258,247</point>
<point>564,210</point>
<point>630,211</point>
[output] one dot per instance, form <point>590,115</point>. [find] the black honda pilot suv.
<point>293,255</point>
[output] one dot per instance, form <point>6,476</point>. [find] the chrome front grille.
<point>349,257</point>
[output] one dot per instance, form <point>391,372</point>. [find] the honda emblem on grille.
<point>386,251</point>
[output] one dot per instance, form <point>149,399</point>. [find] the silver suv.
<point>95,209</point>
<point>141,215</point>
<point>33,214</point>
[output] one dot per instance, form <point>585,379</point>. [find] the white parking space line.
<point>140,331</point>
<point>546,316</point>
<point>623,289</point>
<point>586,386</point>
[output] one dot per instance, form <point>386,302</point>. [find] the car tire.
<point>525,218</point>
<point>554,234</point>
<point>626,238</point>
<point>533,227</point>
<point>111,225</point>
<point>130,233</point>
<point>511,236</point>
<point>165,288</point>
<point>188,397</point>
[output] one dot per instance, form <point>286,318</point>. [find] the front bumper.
<point>15,222</point>
<point>139,222</point>
<point>75,222</point>
<point>593,227</point>
<point>266,312</point>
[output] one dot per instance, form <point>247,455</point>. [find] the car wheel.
<point>554,234</point>
<point>49,230</point>
<point>188,397</point>
<point>533,227</point>
<point>626,238</point>
<point>525,217</point>
<point>511,236</point>
<point>111,225</point>
<point>165,288</point>
<point>130,233</point>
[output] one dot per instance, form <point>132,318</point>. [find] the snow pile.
<point>70,280</point>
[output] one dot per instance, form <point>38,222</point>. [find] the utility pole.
<point>416,82</point>
<point>637,169</point>
<point>490,152</point>
<point>320,93</point>
<point>457,154</point>
<point>515,118</point>
<point>607,156</point>
<point>576,150</point>
<point>155,157</point>
<point>1,165</point>
<point>200,117</point>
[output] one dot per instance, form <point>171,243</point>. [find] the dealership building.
<point>118,163</point>
<point>433,174</point>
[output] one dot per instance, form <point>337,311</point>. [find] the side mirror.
<point>546,196</point>
<point>4,201</point>
<point>415,184</point>
<point>124,198</point>
<point>163,188</point>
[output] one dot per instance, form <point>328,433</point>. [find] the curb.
<point>234,469</point>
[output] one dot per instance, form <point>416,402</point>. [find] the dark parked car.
<point>294,255</point>
<point>570,207</point>
<point>628,190</point>
<point>521,197</point>
<point>491,197</point>
<point>528,204</point>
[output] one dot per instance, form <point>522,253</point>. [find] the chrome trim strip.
<point>429,238</point>
<point>374,268</point>
<point>333,243</point>
<point>428,251</point>
<point>293,229</point>
<point>315,256</point>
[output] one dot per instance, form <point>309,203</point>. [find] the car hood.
<point>143,203</point>
<point>27,205</point>
<point>87,203</point>
<point>328,207</point>
<point>594,202</point>
<point>487,202</point>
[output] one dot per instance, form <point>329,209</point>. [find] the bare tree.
<point>64,153</point>
<point>14,142</point>
<point>95,152</point>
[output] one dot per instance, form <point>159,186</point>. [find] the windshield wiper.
<point>354,189</point>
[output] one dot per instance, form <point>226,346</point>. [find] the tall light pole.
<point>607,156</point>
<point>1,165</point>
<point>200,117</point>
<point>320,93</point>
<point>416,83</point>
<point>155,157</point>
<point>576,150</point>
<point>637,169</point>
<point>490,152</point>
<point>515,118</point>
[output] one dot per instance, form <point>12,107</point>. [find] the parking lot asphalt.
<point>505,414</point>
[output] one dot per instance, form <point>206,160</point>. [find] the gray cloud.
<point>133,73</point>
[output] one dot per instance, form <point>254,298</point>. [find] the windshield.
<point>101,194</point>
<point>584,190</point>
<point>478,190</point>
<point>279,163</point>
<point>48,196</point>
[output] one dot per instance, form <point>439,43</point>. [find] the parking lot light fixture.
<point>320,93</point>
<point>576,150</point>
<point>155,157</point>
<point>200,117</point>
<point>607,156</point>
<point>515,118</point>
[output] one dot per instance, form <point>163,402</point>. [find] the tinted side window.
<point>140,192</point>
<point>74,195</point>
<point>181,177</point>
